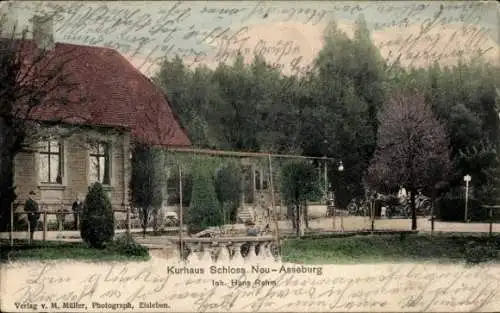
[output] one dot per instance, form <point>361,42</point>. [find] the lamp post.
<point>325,178</point>
<point>325,172</point>
<point>467,180</point>
<point>340,168</point>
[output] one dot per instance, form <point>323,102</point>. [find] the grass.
<point>441,248</point>
<point>56,250</point>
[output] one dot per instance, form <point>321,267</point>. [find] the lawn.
<point>442,248</point>
<point>56,250</point>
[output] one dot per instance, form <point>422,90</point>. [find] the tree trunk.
<point>413,210</point>
<point>291,215</point>
<point>306,215</point>
<point>156,215</point>
<point>145,218</point>
<point>433,206</point>
<point>9,146</point>
<point>297,220</point>
<point>301,220</point>
<point>7,194</point>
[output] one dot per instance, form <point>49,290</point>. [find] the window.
<point>51,169</point>
<point>100,163</point>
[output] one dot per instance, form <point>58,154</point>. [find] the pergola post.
<point>277,231</point>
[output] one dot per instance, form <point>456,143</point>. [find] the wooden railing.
<point>491,209</point>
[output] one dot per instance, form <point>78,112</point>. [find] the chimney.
<point>43,32</point>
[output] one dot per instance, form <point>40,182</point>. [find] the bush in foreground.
<point>476,252</point>
<point>97,225</point>
<point>126,245</point>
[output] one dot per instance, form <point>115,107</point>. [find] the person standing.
<point>77,208</point>
<point>31,207</point>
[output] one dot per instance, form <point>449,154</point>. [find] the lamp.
<point>341,166</point>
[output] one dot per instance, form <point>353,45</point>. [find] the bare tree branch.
<point>412,147</point>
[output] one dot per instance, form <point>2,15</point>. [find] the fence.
<point>342,222</point>
<point>19,226</point>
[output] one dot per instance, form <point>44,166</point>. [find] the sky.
<point>287,33</point>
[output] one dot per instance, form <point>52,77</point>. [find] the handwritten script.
<point>400,287</point>
<point>287,34</point>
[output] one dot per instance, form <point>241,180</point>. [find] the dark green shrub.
<point>97,224</point>
<point>126,245</point>
<point>204,209</point>
<point>228,189</point>
<point>476,252</point>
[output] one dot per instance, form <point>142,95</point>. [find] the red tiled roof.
<point>109,91</point>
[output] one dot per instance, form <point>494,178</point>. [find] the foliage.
<point>347,96</point>
<point>147,183</point>
<point>97,224</point>
<point>204,210</point>
<point>483,160</point>
<point>412,147</point>
<point>452,208</point>
<point>464,97</point>
<point>479,252</point>
<point>299,184</point>
<point>332,110</point>
<point>228,189</point>
<point>125,244</point>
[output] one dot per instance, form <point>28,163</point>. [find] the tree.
<point>228,189</point>
<point>298,183</point>
<point>98,223</point>
<point>31,79</point>
<point>236,114</point>
<point>412,147</point>
<point>347,88</point>
<point>204,210</point>
<point>192,95</point>
<point>147,182</point>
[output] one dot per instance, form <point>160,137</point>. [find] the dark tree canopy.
<point>147,182</point>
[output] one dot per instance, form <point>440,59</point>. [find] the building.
<point>111,105</point>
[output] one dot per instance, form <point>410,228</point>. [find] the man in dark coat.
<point>31,207</point>
<point>77,211</point>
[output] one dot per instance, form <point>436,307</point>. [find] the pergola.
<point>238,154</point>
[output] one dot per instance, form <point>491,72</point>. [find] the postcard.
<point>249,156</point>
